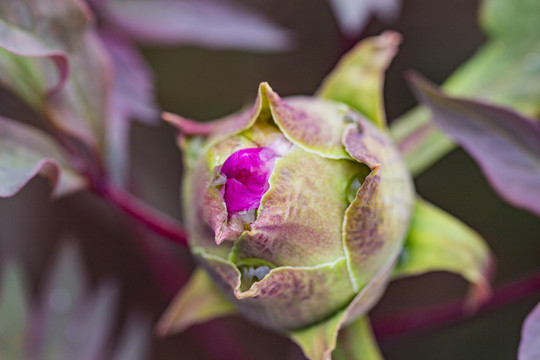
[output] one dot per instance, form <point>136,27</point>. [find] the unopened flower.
<point>295,207</point>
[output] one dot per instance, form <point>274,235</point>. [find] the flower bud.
<point>295,206</point>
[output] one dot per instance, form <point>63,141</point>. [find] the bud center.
<point>247,172</point>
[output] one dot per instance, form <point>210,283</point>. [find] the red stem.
<point>411,321</point>
<point>154,220</point>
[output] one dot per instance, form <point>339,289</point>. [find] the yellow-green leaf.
<point>358,78</point>
<point>356,341</point>
<point>318,341</point>
<point>199,301</point>
<point>439,242</point>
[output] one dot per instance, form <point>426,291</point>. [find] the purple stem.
<point>411,321</point>
<point>154,220</point>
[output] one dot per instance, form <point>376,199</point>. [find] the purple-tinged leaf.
<point>135,341</point>
<point>529,347</point>
<point>24,44</point>
<point>80,106</point>
<point>64,285</point>
<point>505,144</point>
<point>26,152</point>
<point>132,98</point>
<point>133,88</point>
<point>512,54</point>
<point>353,15</point>
<point>74,322</point>
<point>211,23</point>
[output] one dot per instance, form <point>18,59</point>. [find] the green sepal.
<point>439,242</point>
<point>358,78</point>
<point>198,301</point>
<point>320,340</point>
<point>356,342</point>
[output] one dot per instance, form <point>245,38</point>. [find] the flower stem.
<point>154,220</point>
<point>412,321</point>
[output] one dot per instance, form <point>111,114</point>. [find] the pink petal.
<point>247,172</point>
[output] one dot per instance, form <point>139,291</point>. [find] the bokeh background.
<point>203,84</point>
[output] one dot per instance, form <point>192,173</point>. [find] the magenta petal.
<point>247,172</point>
<point>239,198</point>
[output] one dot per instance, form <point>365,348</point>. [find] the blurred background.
<point>204,84</point>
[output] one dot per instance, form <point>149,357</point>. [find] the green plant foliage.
<point>358,79</point>
<point>504,71</point>
<point>439,242</point>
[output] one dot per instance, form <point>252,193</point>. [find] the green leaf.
<point>358,78</point>
<point>26,152</point>
<point>198,301</point>
<point>510,18</point>
<point>356,342</point>
<point>13,313</point>
<point>439,242</point>
<point>505,71</point>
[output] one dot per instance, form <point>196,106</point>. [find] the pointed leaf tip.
<point>438,241</point>
<point>197,302</point>
<point>356,341</point>
<point>358,78</point>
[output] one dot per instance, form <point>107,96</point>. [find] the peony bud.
<point>295,207</point>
